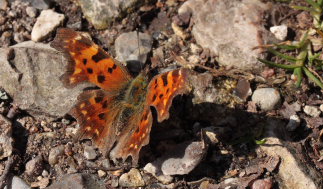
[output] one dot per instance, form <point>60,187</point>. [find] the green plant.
<point>303,64</point>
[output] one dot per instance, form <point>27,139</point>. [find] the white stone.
<point>131,179</point>
<point>47,21</point>
<point>280,32</point>
<point>312,111</point>
<point>158,174</point>
<point>17,182</point>
<point>89,153</point>
<point>266,98</point>
<point>294,122</point>
<point>31,12</point>
<point>321,107</point>
<point>101,173</point>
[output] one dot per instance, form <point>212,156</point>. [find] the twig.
<point>4,176</point>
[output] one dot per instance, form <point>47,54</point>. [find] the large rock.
<point>102,13</point>
<point>31,78</point>
<point>230,29</point>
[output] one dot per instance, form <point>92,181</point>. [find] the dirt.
<point>241,122</point>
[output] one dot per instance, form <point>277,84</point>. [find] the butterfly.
<point>117,117</point>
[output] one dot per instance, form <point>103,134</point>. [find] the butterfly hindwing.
<point>89,62</point>
<point>164,87</point>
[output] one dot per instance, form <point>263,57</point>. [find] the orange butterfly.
<point>117,116</point>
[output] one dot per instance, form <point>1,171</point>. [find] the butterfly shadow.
<point>237,131</point>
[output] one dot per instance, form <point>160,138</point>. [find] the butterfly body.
<point>117,117</point>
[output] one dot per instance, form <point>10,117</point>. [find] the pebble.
<point>280,32</point>
<point>34,167</point>
<point>17,182</point>
<point>46,23</point>
<point>89,152</point>
<point>3,4</point>
<point>128,48</point>
<point>156,172</point>
<point>54,154</point>
<point>262,184</point>
<point>211,134</point>
<point>101,173</point>
<point>45,173</point>
<point>39,4</point>
<point>312,111</point>
<point>195,49</point>
<point>266,98</point>
<point>131,179</point>
<point>294,122</point>
<point>31,12</point>
<point>321,107</point>
<point>194,59</point>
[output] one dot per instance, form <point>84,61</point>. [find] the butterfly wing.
<point>89,62</point>
<point>96,112</point>
<point>164,87</point>
<point>134,137</point>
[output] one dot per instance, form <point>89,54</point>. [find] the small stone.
<point>131,179</point>
<point>3,4</point>
<point>294,122</point>
<point>101,173</point>
<point>34,167</point>
<point>66,121</point>
<point>39,4</point>
<point>130,50</point>
<point>17,182</point>
<point>158,174</point>
<point>42,183</point>
<point>89,152</point>
<point>266,98</point>
<point>211,134</point>
<point>312,111</point>
<point>31,12</point>
<point>280,32</point>
<point>6,141</point>
<point>262,184</point>
<point>321,107</point>
<point>194,59</point>
<point>54,154</point>
<point>46,23</point>
<point>195,49</point>
<point>45,173</point>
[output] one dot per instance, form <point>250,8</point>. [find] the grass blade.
<point>312,77</point>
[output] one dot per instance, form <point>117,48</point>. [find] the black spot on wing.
<point>114,66</point>
<point>89,70</point>
<point>98,99</point>
<point>110,70</point>
<point>164,78</point>
<point>154,98</point>
<point>99,56</point>
<point>101,116</point>
<point>84,61</point>
<point>105,104</point>
<point>101,78</point>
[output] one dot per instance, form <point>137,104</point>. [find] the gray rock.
<point>39,4</point>
<point>34,167</point>
<point>184,158</point>
<point>6,141</point>
<point>204,90</point>
<point>3,4</point>
<point>294,122</point>
<point>266,98</point>
<point>102,13</point>
<point>131,179</point>
<point>31,78</point>
<point>230,29</point>
<point>157,173</point>
<point>16,183</point>
<point>54,154</point>
<point>292,172</point>
<point>132,47</point>
<point>89,152</point>
<point>312,111</point>
<point>31,12</point>
<point>78,181</point>
<point>46,23</point>
<point>280,32</point>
